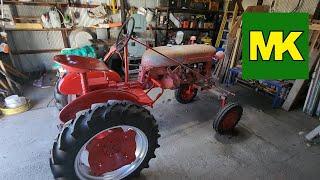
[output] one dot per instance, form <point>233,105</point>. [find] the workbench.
<point>278,89</point>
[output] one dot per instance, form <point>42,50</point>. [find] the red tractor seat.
<point>79,64</point>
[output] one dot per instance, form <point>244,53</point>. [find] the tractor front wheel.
<point>61,100</point>
<point>113,141</point>
<point>227,118</point>
<point>185,93</point>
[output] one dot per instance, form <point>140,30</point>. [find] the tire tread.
<point>75,134</point>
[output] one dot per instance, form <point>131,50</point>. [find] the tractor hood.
<point>186,54</point>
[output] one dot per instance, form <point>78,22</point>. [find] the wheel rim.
<point>187,93</point>
<point>230,119</point>
<point>113,153</point>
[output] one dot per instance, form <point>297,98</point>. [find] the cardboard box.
<point>208,25</point>
<point>214,6</point>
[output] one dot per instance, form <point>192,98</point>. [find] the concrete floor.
<point>267,144</point>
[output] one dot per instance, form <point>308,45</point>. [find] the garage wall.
<point>34,62</point>
<point>31,40</point>
<point>144,3</point>
<point>308,6</point>
<point>37,40</point>
<point>34,40</point>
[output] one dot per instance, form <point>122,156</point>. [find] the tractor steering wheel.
<point>123,38</point>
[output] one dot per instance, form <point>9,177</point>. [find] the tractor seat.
<point>79,64</point>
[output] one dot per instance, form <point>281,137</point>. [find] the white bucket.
<point>14,101</point>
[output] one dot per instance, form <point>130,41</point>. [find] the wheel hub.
<point>113,153</point>
<point>187,93</point>
<point>230,119</point>
<point>111,150</point>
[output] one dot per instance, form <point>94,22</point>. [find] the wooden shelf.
<point>52,29</point>
<point>32,3</point>
<point>61,4</point>
<point>189,11</point>
<point>111,25</point>
<point>190,29</point>
<point>185,29</point>
<point>38,51</point>
<point>44,29</point>
<point>108,42</point>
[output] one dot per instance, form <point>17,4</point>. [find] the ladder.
<point>223,28</point>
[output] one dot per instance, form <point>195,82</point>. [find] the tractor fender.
<point>99,96</point>
<point>71,82</point>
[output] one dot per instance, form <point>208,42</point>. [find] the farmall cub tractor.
<point>107,133</point>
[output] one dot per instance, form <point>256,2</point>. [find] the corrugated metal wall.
<point>35,62</point>
<point>30,40</point>
<point>34,40</point>
<point>144,3</point>
<point>25,10</point>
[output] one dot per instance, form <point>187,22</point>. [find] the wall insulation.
<point>34,40</point>
<point>35,62</point>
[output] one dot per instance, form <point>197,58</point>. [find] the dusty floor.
<point>267,144</point>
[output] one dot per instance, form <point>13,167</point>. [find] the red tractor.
<point>107,133</point>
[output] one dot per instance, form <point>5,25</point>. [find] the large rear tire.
<point>112,120</point>
<point>227,118</point>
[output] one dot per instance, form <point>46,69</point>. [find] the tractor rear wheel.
<point>112,141</point>
<point>185,93</point>
<point>227,118</point>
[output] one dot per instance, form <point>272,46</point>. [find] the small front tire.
<point>61,100</point>
<point>227,118</point>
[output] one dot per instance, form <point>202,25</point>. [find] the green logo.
<point>275,46</point>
